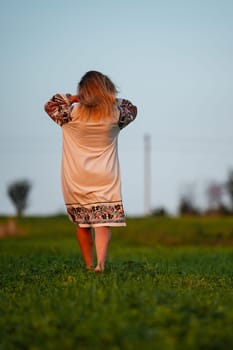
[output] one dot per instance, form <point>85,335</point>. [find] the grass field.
<point>168,285</point>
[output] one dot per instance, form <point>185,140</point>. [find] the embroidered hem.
<point>97,214</point>
<point>112,224</point>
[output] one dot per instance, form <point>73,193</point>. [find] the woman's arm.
<point>128,112</point>
<point>59,107</point>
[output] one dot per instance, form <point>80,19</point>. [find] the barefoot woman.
<point>91,184</point>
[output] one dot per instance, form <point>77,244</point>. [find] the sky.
<point>173,59</point>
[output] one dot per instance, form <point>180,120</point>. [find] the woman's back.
<point>92,135</point>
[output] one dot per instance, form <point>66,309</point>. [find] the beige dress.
<point>91,180</point>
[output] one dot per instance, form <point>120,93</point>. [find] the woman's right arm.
<point>59,107</point>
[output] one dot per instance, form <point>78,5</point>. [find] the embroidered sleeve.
<point>59,108</point>
<point>128,112</point>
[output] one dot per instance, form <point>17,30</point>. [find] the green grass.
<point>168,285</point>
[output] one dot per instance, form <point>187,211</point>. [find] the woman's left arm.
<point>59,107</point>
<point>128,112</point>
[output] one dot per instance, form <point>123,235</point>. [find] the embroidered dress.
<point>91,181</point>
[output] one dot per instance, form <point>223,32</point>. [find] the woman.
<point>91,122</point>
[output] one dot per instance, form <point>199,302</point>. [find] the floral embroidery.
<point>97,214</point>
<point>59,108</point>
<point>128,113</point>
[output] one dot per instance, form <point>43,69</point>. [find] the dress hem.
<point>100,214</point>
<point>110,224</point>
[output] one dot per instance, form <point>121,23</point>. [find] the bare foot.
<point>90,268</point>
<point>98,269</point>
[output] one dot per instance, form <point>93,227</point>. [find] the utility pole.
<point>147,175</point>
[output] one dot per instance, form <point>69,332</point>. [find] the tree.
<point>229,187</point>
<point>18,192</point>
<point>161,211</point>
<point>186,207</point>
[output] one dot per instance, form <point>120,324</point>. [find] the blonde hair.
<point>97,95</point>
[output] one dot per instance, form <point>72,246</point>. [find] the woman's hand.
<point>74,99</point>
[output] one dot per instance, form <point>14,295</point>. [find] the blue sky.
<point>173,59</point>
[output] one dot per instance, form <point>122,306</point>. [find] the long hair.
<point>96,94</point>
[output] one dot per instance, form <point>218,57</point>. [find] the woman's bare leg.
<point>102,239</point>
<point>84,237</point>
